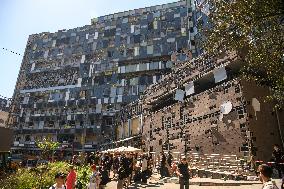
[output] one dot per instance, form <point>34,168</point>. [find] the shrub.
<point>43,176</point>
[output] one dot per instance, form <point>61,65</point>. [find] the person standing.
<point>265,173</point>
<point>59,181</point>
<point>71,178</point>
<point>104,177</point>
<point>170,159</point>
<point>144,169</point>
<point>278,158</point>
<point>115,165</point>
<point>121,176</point>
<point>94,178</point>
<point>183,173</point>
<point>157,159</point>
<point>163,165</point>
<point>128,166</point>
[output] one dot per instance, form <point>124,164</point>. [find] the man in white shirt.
<point>265,173</point>
<point>59,181</point>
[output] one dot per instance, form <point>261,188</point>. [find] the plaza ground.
<point>156,185</point>
<point>196,183</point>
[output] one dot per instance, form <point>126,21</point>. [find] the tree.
<point>254,28</point>
<point>47,146</point>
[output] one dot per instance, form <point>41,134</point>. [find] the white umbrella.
<point>120,149</point>
<point>132,149</point>
<point>108,150</point>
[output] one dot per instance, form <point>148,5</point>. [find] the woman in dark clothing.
<point>163,168</point>
<point>104,177</point>
<point>183,173</point>
<point>115,165</point>
<point>128,165</point>
<point>121,176</point>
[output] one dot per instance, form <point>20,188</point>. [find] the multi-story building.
<point>204,106</point>
<point>73,82</point>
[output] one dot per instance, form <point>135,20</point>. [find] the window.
<point>110,54</point>
<point>72,123</point>
<point>28,138</point>
<point>150,49</point>
<point>62,123</point>
<point>150,26</point>
<point>130,52</point>
<point>109,33</point>
<point>242,125</point>
<point>83,94</point>
<point>51,124</point>
<point>137,38</point>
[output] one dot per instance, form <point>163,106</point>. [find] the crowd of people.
<point>128,168</point>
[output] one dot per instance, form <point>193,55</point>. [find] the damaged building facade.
<point>204,107</point>
<point>73,82</point>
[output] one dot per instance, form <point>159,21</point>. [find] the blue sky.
<point>20,18</point>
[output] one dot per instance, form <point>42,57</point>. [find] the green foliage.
<point>42,176</point>
<point>254,28</point>
<point>47,146</point>
<point>83,175</point>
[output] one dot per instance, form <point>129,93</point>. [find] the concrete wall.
<point>6,138</point>
<point>197,123</point>
<point>263,124</point>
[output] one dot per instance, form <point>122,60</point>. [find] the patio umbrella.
<point>120,149</point>
<point>132,149</point>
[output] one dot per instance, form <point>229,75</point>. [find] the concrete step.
<point>205,181</point>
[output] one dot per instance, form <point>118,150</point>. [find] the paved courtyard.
<point>155,185</point>
<point>206,183</point>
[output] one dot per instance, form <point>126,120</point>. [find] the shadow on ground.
<point>144,185</point>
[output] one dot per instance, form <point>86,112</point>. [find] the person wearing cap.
<point>265,173</point>
<point>59,181</point>
<point>183,173</point>
<point>71,178</point>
